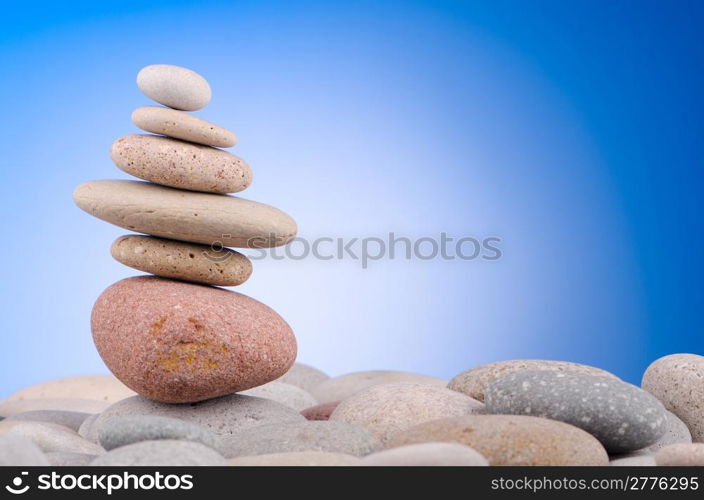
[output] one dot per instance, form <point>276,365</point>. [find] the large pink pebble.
<point>178,342</point>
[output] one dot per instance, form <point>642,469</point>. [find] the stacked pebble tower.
<point>174,337</point>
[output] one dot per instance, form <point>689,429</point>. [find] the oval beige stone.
<point>512,439</point>
<point>474,381</point>
<point>677,381</point>
<point>425,455</point>
<point>210,219</point>
<point>174,86</point>
<point>183,261</point>
<point>173,123</point>
<point>50,437</point>
<point>181,164</point>
<point>296,458</point>
<point>9,408</point>
<point>681,454</point>
<point>344,386</point>
<point>99,387</point>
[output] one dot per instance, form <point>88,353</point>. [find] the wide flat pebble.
<point>286,394</point>
<point>71,419</point>
<point>19,451</point>
<point>296,459</point>
<point>620,415</point>
<point>183,261</point>
<point>50,437</point>
<point>304,376</point>
<point>210,219</point>
<point>223,416</point>
<point>163,453</point>
<point>389,408</point>
<point>678,381</point>
<point>66,459</point>
<point>683,454</point>
<point>344,386</point>
<point>174,86</point>
<point>105,388</point>
<point>337,437</point>
<point>474,381</point>
<point>172,123</point>
<point>320,412</point>
<point>121,431</point>
<point>633,461</point>
<point>181,164</point>
<point>427,454</point>
<point>10,408</point>
<point>512,439</point>
<point>179,342</point>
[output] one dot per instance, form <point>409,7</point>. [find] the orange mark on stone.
<point>197,324</point>
<point>158,325</point>
<point>192,356</point>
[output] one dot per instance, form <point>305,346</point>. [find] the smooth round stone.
<point>675,432</point>
<point>50,437</point>
<point>183,261</point>
<point>121,431</point>
<point>179,342</point>
<point>163,453</point>
<point>98,387</point>
<point>304,376</point>
<point>389,408</point>
<point>474,381</point>
<point>512,439</point>
<point>286,394</point>
<point>344,386</point>
<point>320,412</point>
<point>174,86</point>
<point>64,459</point>
<point>336,437</point>
<point>682,454</point>
<point>71,419</point>
<point>676,380</point>
<point>296,459</point>
<point>633,461</point>
<point>181,164</point>
<point>427,454</point>
<point>172,123</point>
<point>16,451</point>
<point>223,416</point>
<point>620,415</point>
<point>10,408</point>
<point>210,219</point>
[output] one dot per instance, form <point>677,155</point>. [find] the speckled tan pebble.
<point>184,261</point>
<point>179,342</point>
<point>185,215</point>
<point>512,439</point>
<point>173,123</point>
<point>174,86</point>
<point>681,454</point>
<point>181,164</point>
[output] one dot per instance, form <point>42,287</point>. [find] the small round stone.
<point>296,459</point>
<point>633,461</point>
<point>337,437</point>
<point>9,408</point>
<point>620,415</point>
<point>344,386</point>
<point>223,416</point>
<point>66,459</point>
<point>389,408</point>
<point>98,387</point>
<point>683,454</point>
<point>474,381</point>
<point>121,431</point>
<point>427,454</point>
<point>174,86</point>
<point>163,453</point>
<point>512,439</point>
<point>286,394</point>
<point>71,419</point>
<point>179,342</point>
<point>676,380</point>
<point>304,376</point>
<point>17,451</point>
<point>181,164</point>
<point>172,123</point>
<point>320,412</point>
<point>183,261</point>
<point>50,437</point>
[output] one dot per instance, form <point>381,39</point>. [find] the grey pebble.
<point>50,437</point>
<point>20,451</point>
<point>163,453</point>
<point>121,431</point>
<point>67,459</point>
<point>70,419</point>
<point>620,415</point>
<point>304,376</point>
<point>286,394</point>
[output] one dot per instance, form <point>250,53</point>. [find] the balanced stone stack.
<point>174,337</point>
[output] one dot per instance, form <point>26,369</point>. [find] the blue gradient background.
<point>572,130</point>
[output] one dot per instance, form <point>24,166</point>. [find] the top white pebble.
<point>174,86</point>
